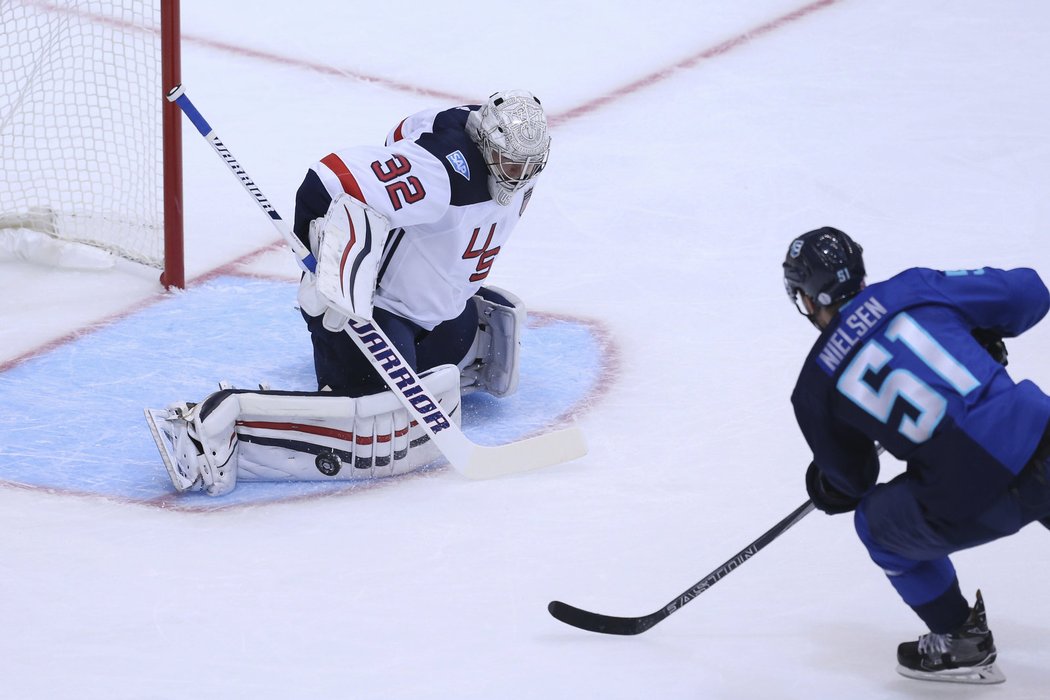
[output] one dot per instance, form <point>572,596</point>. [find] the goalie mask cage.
<point>90,151</point>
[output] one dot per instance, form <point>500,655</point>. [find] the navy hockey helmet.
<point>824,264</point>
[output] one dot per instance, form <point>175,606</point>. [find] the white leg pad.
<point>493,363</point>
<point>279,436</point>
<point>218,442</point>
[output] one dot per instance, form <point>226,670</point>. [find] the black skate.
<point>964,655</point>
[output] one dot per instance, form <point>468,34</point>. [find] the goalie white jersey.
<point>430,181</point>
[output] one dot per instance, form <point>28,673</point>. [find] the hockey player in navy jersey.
<point>916,364</point>
<point>405,235</point>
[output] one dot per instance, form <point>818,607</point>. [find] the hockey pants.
<point>913,551</point>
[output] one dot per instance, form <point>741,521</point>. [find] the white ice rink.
<point>692,141</point>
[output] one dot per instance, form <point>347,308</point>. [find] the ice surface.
<point>75,421</point>
<point>692,141</point>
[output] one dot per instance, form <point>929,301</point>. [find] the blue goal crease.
<point>73,419</point>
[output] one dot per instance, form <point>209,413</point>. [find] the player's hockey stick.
<point>609,624</point>
<point>473,460</point>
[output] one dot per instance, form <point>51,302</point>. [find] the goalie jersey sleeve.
<point>898,366</point>
<point>431,183</point>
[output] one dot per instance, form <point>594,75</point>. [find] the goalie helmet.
<point>510,130</point>
<point>826,265</point>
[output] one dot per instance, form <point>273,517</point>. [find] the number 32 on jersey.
<point>901,384</point>
<point>401,190</point>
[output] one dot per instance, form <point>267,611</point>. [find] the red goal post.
<point>90,149</point>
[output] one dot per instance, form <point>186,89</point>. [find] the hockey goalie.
<point>404,236</point>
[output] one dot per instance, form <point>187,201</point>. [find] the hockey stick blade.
<point>609,624</point>
<point>603,624</point>
<point>543,450</point>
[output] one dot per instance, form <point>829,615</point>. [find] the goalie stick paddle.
<point>470,459</point>
<point>609,624</point>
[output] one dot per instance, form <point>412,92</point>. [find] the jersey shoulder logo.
<point>459,163</point>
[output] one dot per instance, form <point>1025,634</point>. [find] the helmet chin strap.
<point>831,309</point>
<point>814,312</point>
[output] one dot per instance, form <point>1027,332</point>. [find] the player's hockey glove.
<point>825,496</point>
<point>993,343</point>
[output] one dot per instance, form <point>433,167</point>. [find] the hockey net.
<point>83,126</point>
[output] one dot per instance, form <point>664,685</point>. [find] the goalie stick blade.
<point>532,453</point>
<point>602,624</point>
<point>164,436</point>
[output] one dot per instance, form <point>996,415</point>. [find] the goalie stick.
<point>470,459</point>
<point>609,624</point>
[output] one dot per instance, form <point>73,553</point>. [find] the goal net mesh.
<point>81,142</point>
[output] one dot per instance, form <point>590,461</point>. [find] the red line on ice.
<point>597,103</point>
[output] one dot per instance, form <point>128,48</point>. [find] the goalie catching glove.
<point>348,244</point>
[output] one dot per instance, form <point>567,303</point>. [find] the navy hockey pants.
<point>913,550</point>
<point>340,365</point>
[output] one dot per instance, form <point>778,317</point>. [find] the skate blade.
<point>987,674</point>
<point>164,436</point>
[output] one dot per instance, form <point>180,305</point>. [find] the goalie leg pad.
<point>236,435</point>
<point>312,437</point>
<point>492,365</point>
<point>213,428</point>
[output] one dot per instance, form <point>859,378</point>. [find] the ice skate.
<point>964,655</point>
<point>179,452</point>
